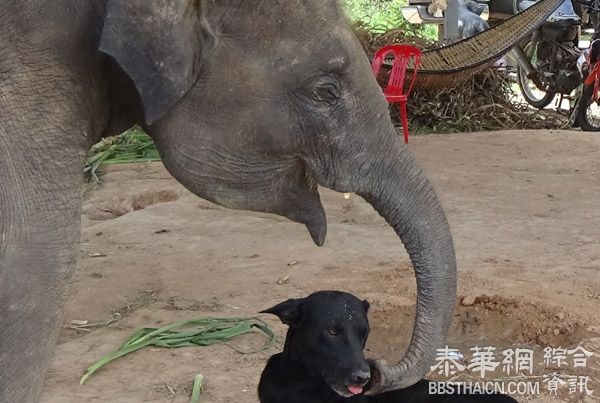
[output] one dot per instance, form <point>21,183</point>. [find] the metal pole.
<point>451,33</point>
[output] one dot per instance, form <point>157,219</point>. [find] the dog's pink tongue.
<point>355,390</point>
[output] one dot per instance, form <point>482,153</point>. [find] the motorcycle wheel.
<point>533,95</point>
<point>588,111</point>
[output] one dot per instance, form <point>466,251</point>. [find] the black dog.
<point>323,361</point>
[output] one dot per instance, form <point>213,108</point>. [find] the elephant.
<point>252,105</point>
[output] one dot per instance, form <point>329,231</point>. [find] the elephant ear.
<point>158,43</point>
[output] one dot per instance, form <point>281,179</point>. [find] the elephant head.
<point>253,103</point>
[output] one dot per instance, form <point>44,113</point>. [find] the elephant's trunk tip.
<point>385,378</point>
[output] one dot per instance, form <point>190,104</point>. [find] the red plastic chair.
<point>398,88</point>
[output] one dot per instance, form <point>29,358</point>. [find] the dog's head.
<point>328,332</point>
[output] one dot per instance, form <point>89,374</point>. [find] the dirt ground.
<point>523,208</point>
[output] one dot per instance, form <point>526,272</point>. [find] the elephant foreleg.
<point>40,205</point>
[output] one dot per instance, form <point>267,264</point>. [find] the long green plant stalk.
<point>198,380</point>
<point>192,333</point>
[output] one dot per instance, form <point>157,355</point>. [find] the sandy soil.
<point>523,207</point>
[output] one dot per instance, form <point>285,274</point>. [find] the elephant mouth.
<point>302,204</point>
<point>284,187</point>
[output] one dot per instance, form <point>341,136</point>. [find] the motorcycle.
<point>587,106</point>
<point>550,62</point>
<point>547,62</point>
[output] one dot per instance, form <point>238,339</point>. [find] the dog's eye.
<point>333,332</point>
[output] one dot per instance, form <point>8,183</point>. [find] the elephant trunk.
<point>401,194</point>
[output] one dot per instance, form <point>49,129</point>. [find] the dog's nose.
<point>360,378</point>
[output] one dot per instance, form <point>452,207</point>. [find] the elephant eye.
<point>327,90</point>
<point>333,332</point>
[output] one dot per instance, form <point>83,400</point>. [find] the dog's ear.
<point>366,305</point>
<point>289,312</point>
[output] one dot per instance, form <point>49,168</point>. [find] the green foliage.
<point>380,16</point>
<point>192,333</point>
<point>132,146</point>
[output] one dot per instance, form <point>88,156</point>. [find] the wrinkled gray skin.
<point>251,102</point>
